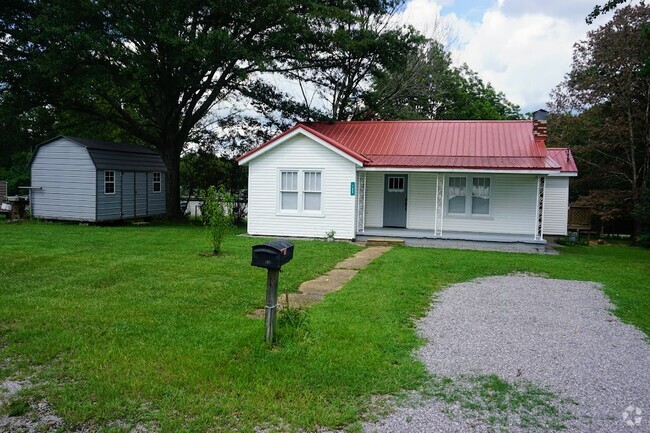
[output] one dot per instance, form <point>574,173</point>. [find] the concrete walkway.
<point>313,291</point>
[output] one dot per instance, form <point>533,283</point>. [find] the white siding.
<point>301,153</point>
<point>512,204</point>
<point>421,206</point>
<point>374,199</point>
<point>556,205</point>
<point>66,175</point>
<point>512,207</point>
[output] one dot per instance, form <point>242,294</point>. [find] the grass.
<point>500,403</point>
<point>132,324</point>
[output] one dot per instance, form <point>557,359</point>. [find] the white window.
<point>289,190</point>
<point>312,191</point>
<point>461,202</point>
<point>109,182</point>
<point>481,196</point>
<point>457,195</point>
<point>157,183</point>
<point>395,184</point>
<point>301,191</point>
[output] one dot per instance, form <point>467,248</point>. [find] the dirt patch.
<point>22,414</point>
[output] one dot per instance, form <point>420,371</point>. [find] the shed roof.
<point>107,155</point>
<point>468,144</point>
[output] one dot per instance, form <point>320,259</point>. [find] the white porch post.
<point>361,201</point>
<point>539,210</point>
<point>440,204</point>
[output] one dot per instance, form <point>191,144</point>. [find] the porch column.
<point>440,204</point>
<point>361,202</point>
<point>539,214</point>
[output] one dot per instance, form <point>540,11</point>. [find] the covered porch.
<point>504,208</point>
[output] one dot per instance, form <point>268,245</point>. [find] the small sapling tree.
<point>217,215</point>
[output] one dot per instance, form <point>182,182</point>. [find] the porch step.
<point>384,242</point>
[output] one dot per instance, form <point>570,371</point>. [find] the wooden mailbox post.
<point>271,256</point>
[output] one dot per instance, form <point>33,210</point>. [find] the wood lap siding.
<point>375,199</point>
<point>512,204</point>
<point>512,207</point>
<point>421,201</point>
<point>66,174</point>
<point>301,153</point>
<point>108,205</point>
<point>556,206</point>
<point>120,204</point>
<point>157,202</point>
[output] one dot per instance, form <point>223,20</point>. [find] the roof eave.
<point>545,171</point>
<point>299,128</point>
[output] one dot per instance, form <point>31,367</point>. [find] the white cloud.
<point>522,47</point>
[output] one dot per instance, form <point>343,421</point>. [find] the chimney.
<point>539,124</point>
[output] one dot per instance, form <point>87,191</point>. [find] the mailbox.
<point>272,255</point>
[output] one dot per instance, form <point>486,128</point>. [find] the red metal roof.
<point>564,158</point>
<point>304,127</point>
<point>468,144</point>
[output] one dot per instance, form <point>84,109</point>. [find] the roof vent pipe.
<point>539,124</point>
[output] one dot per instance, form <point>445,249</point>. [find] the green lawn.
<point>133,324</point>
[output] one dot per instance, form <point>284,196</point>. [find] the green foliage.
<point>600,111</point>
<point>429,87</point>
<point>642,214</point>
<point>17,174</point>
<point>601,10</point>
<point>217,214</point>
<point>154,69</point>
<point>201,169</point>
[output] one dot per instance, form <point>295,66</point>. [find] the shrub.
<point>217,215</point>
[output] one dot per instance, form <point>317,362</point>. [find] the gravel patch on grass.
<point>525,353</point>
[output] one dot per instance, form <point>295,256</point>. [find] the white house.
<point>473,180</point>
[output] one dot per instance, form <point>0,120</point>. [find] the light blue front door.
<point>395,196</point>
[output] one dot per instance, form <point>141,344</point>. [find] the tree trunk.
<point>172,159</point>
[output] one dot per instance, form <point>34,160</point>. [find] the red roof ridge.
<point>455,156</point>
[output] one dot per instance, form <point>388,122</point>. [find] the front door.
<point>395,194</point>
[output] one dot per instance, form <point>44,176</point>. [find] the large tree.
<point>428,86</point>
<point>361,46</point>
<point>602,108</point>
<point>155,68</point>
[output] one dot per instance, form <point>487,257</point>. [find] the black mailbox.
<point>272,255</point>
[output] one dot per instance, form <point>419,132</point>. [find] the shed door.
<point>395,196</point>
<point>141,193</point>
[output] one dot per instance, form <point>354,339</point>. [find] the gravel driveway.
<point>526,353</point>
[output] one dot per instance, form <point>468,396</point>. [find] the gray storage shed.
<point>79,179</point>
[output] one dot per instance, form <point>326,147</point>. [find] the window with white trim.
<point>109,182</point>
<point>157,181</point>
<point>312,191</point>
<point>301,192</point>
<point>396,184</point>
<point>289,190</point>
<point>480,196</point>
<point>461,202</point>
<point>457,192</point>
